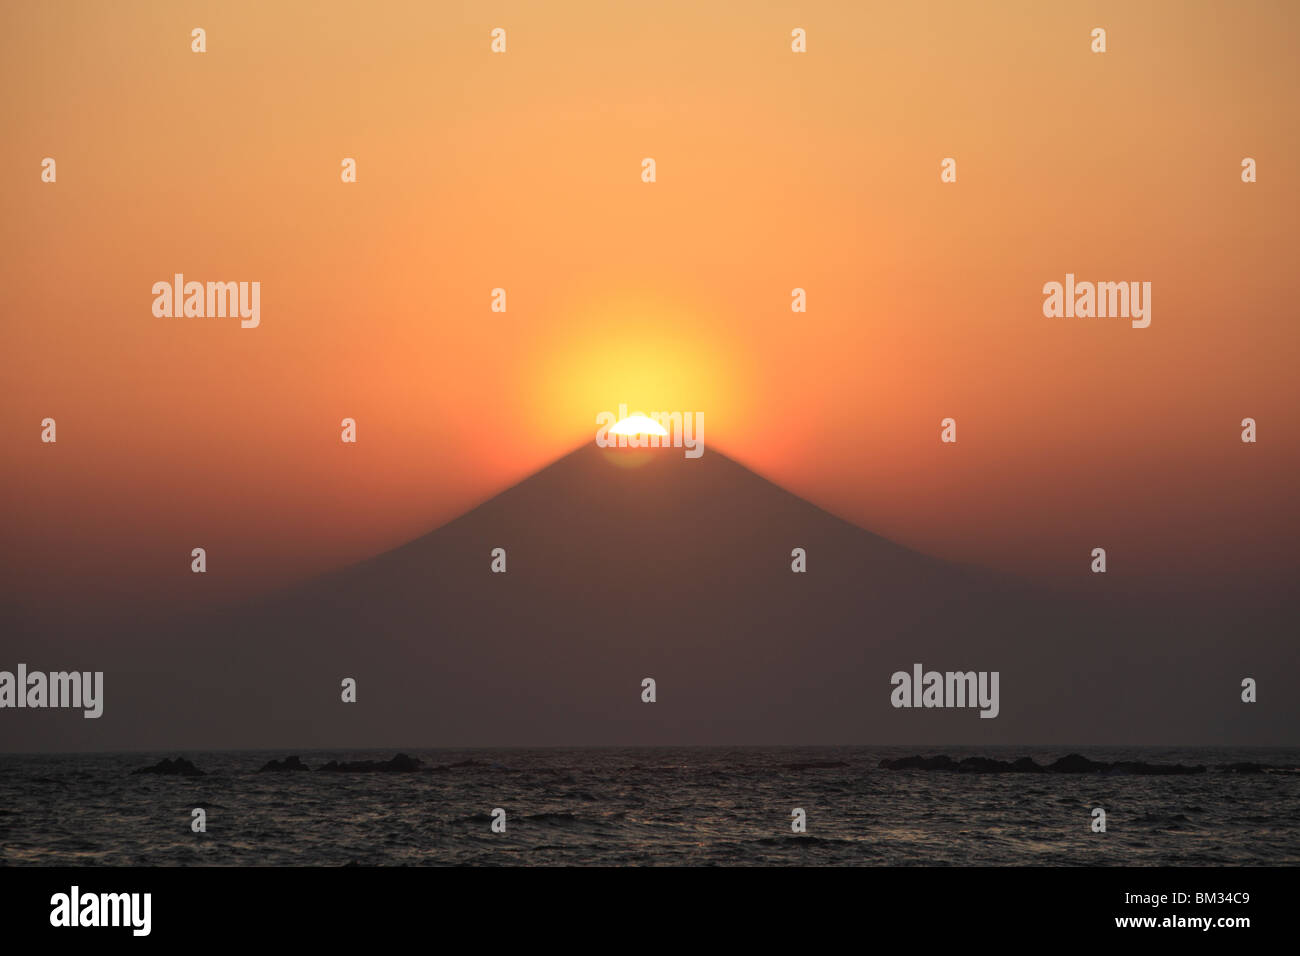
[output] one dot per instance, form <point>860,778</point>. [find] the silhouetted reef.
<point>399,764</point>
<point>180,767</point>
<point>281,766</point>
<point>1070,763</point>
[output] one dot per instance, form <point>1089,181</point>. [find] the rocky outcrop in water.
<point>280,766</point>
<point>399,764</point>
<point>180,767</point>
<point>1071,763</point>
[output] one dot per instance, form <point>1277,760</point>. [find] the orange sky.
<point>522,171</point>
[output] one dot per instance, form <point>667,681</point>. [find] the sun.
<point>638,425</point>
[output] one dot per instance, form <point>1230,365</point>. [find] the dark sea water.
<point>647,806</point>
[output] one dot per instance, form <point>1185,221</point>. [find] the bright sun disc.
<point>638,425</point>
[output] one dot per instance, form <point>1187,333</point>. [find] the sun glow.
<point>637,425</point>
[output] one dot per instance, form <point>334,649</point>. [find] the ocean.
<point>648,806</point>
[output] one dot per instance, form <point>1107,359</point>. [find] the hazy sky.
<point>522,171</point>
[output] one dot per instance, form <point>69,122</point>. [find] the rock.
<point>180,767</point>
<point>986,765</point>
<point>399,764</point>
<point>1075,763</point>
<point>919,763</point>
<point>1070,763</point>
<point>280,766</point>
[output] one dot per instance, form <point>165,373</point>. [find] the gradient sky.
<point>522,171</point>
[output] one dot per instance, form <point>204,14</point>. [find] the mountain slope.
<point>624,565</point>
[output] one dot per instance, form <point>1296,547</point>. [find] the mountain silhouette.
<point>629,564</point>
